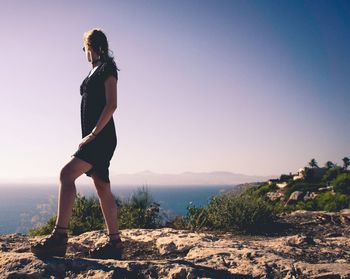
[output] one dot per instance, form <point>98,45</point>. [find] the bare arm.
<point>107,112</point>
<point>111,104</point>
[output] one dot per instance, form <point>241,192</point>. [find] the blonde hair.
<point>97,40</point>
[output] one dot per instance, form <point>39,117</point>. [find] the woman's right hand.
<point>86,140</point>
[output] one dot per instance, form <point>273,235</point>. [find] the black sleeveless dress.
<point>98,151</point>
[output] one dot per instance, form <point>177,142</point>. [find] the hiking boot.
<point>53,245</point>
<point>113,249</point>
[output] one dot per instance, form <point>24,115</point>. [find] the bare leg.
<point>108,205</point>
<point>56,243</point>
<point>67,192</point>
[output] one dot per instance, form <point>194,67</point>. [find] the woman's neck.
<point>96,63</point>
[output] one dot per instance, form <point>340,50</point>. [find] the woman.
<point>98,103</point>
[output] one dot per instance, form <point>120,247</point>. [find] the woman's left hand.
<point>86,139</point>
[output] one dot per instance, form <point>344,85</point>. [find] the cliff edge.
<point>313,244</point>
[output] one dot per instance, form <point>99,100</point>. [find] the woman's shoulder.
<point>110,63</point>
<point>108,68</point>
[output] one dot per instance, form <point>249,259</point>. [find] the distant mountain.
<point>148,177</point>
<point>186,178</point>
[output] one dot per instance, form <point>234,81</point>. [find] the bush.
<point>332,201</point>
<point>278,206</point>
<point>327,201</point>
<point>140,211</point>
<point>196,218</point>
<point>300,186</point>
<point>178,223</point>
<point>246,213</point>
<point>218,210</point>
<point>263,189</point>
<point>250,191</point>
<point>310,175</point>
<point>332,173</point>
<point>45,229</point>
<point>341,184</point>
<point>86,215</point>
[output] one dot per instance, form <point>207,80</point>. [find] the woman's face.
<point>90,53</point>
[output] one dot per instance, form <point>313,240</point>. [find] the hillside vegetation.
<point>255,207</point>
<point>312,188</point>
<point>248,208</point>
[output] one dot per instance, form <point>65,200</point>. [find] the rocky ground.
<point>304,245</point>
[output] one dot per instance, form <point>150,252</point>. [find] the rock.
<point>170,253</point>
<point>166,248</point>
<point>345,216</point>
<point>294,197</point>
<point>310,196</point>
<point>314,218</point>
<point>180,272</point>
<point>324,189</point>
<point>297,240</point>
<point>333,234</point>
<point>274,195</point>
<point>282,185</point>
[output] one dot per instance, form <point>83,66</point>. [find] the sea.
<point>28,206</point>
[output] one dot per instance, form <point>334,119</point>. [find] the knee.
<point>66,175</point>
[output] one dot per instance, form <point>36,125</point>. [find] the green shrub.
<point>310,175</point>
<point>43,230</point>
<point>196,218</point>
<point>308,205</point>
<point>246,213</point>
<point>332,201</point>
<point>250,191</point>
<point>139,211</point>
<point>327,201</point>
<point>288,208</point>
<point>177,222</point>
<point>332,173</point>
<point>341,184</point>
<point>278,206</point>
<point>300,186</point>
<point>86,215</point>
<point>218,210</point>
<point>263,189</point>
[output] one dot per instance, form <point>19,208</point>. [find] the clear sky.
<point>254,87</point>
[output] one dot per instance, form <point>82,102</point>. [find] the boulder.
<point>294,197</point>
<point>345,216</point>
<point>171,253</point>
<point>274,195</point>
<point>310,196</point>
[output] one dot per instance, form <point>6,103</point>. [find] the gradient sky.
<point>254,87</point>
